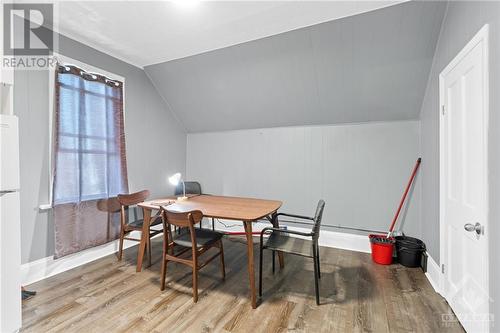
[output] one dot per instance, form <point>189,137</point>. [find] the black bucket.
<point>409,251</point>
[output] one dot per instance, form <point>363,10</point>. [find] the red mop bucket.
<point>383,245</point>
<point>382,249</point>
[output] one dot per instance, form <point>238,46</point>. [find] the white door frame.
<point>482,36</point>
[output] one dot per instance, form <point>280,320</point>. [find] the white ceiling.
<point>148,32</point>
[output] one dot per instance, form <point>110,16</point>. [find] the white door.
<point>464,184</point>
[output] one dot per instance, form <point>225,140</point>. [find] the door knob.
<point>478,228</point>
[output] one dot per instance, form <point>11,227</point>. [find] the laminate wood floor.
<point>357,295</point>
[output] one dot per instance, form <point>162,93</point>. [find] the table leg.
<point>144,238</point>
<point>251,270</point>
<point>276,224</point>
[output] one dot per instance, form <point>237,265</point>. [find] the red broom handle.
<point>415,169</point>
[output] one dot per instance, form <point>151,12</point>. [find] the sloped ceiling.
<point>149,32</point>
<point>368,67</point>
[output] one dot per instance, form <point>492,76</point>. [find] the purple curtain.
<point>90,167</point>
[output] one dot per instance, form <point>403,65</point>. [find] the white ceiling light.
<point>185,4</point>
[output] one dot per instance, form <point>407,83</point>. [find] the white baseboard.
<point>339,240</point>
<point>46,267</point>
<point>345,241</point>
<point>433,274</point>
<point>43,268</point>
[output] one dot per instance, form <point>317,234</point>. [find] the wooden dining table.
<point>247,210</point>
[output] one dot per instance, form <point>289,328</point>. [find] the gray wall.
<point>368,67</point>
<point>461,23</point>
<point>360,170</point>
<point>155,141</point>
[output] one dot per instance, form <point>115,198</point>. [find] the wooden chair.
<point>192,239</point>
<point>280,240</point>
<point>128,225</point>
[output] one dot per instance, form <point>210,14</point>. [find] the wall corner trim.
<point>433,274</point>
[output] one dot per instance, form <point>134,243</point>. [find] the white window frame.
<point>51,72</point>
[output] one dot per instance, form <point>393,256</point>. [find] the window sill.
<point>45,207</point>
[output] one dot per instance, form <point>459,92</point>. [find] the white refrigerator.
<point>10,234</point>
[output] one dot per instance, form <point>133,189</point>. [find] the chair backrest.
<point>185,219</point>
<point>182,220</point>
<point>317,219</point>
<point>191,188</point>
<point>133,198</point>
<point>109,205</point>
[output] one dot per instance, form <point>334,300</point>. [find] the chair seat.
<point>284,243</point>
<point>204,237</point>
<point>137,224</point>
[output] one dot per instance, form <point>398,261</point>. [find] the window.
<point>89,147</point>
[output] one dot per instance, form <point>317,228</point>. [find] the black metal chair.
<point>192,187</point>
<point>280,240</point>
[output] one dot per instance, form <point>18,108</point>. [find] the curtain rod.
<point>83,72</point>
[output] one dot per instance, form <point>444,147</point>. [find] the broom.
<point>410,182</point>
